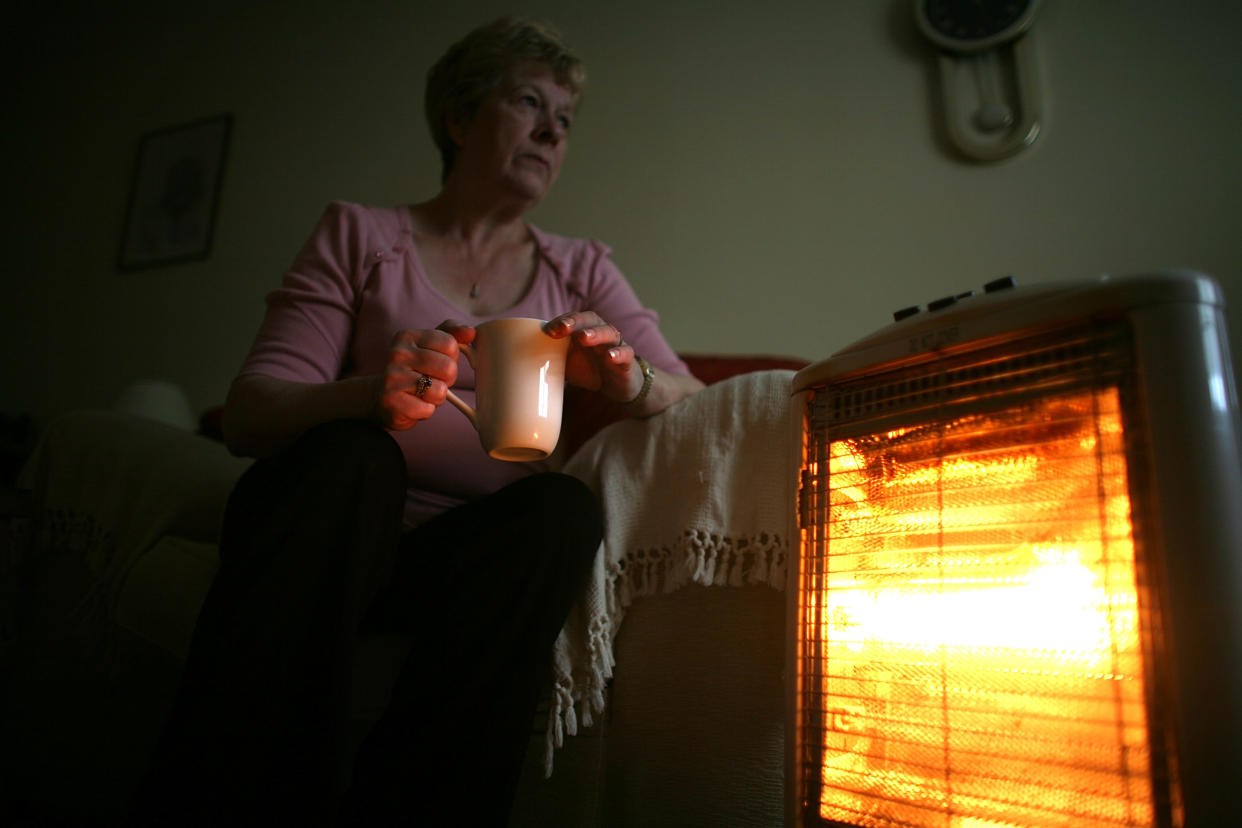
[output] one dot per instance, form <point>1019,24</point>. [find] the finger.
<point>425,352</point>
<point>422,384</point>
<point>623,373</point>
<point>573,322</point>
<point>621,354</point>
<point>587,327</point>
<point>460,331</point>
<point>559,327</point>
<point>438,340</point>
<point>601,335</point>
<point>414,364</point>
<point>401,411</point>
<point>425,387</point>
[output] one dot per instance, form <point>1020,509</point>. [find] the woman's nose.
<point>549,129</point>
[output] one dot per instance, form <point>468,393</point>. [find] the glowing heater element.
<point>972,626</point>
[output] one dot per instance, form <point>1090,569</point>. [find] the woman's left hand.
<point>598,360</point>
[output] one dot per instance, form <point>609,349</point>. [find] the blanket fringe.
<point>699,557</point>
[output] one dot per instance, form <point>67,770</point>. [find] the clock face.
<point>967,25</point>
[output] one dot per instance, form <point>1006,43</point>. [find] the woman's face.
<point>520,134</point>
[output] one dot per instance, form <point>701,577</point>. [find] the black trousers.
<point>312,555</point>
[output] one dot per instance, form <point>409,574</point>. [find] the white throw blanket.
<point>701,493</point>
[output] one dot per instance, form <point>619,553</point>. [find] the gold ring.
<point>421,386</point>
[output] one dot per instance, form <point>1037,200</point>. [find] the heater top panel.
<point>1002,310</point>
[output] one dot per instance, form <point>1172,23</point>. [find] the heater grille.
<point>971,623</point>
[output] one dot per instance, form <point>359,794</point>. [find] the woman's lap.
<point>312,546</point>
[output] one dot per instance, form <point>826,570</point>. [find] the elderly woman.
<point>373,506</point>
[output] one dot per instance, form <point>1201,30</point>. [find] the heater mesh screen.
<point>971,649</point>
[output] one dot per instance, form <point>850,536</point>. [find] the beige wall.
<point>768,173</point>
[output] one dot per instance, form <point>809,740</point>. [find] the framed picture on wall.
<point>174,194</point>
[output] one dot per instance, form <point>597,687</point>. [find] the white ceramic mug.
<point>519,388</point>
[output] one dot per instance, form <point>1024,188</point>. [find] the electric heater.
<point>1018,598</point>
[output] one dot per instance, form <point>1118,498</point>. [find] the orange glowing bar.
<point>979,657</point>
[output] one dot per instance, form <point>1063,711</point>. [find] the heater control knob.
<point>1003,283</point>
<point>941,304</point>
<point>904,312</point>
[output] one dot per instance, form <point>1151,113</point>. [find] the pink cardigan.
<point>358,280</point>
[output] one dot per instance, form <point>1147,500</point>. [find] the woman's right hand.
<point>405,398</point>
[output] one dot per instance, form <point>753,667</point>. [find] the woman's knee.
<point>566,506</point>
<point>325,470</point>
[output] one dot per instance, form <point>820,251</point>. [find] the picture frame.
<point>171,213</point>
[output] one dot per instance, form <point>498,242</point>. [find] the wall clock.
<point>988,75</point>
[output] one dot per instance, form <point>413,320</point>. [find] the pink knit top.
<point>358,280</point>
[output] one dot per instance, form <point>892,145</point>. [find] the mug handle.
<point>456,400</point>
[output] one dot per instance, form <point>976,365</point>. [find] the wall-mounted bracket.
<point>991,98</point>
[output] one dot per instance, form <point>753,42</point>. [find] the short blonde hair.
<point>474,66</point>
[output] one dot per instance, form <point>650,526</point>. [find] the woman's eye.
<point>529,100</point>
<point>564,122</point>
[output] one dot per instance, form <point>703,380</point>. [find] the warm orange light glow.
<point>975,629</point>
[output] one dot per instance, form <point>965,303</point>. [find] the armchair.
<point>103,598</point>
